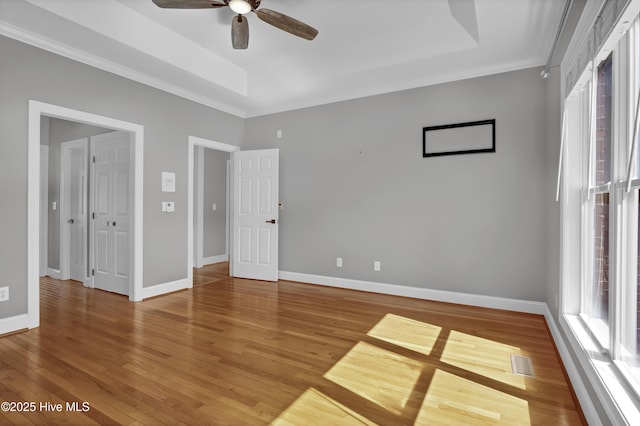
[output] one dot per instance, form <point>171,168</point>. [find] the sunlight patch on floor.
<point>482,356</point>
<point>410,334</point>
<point>315,408</point>
<point>455,400</point>
<point>389,379</point>
<point>381,376</point>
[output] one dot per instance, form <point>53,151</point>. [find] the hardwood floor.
<point>233,352</point>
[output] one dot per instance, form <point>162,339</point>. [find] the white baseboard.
<point>53,273</point>
<point>215,259</point>
<point>420,293</point>
<point>164,288</point>
<point>11,324</point>
<point>574,375</point>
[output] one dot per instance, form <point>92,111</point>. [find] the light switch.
<point>54,205</point>
<point>214,207</point>
<point>168,182</point>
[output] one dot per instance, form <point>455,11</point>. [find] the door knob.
<point>107,223</point>
<point>70,221</point>
<point>270,221</point>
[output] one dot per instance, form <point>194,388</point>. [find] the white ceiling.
<point>364,47</point>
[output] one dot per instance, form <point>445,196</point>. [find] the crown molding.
<point>36,40</point>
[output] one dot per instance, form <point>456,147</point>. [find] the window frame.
<point>601,330</point>
<point>627,215</point>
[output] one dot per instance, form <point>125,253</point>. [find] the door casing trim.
<point>44,210</point>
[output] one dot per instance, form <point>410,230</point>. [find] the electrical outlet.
<point>339,262</point>
<point>376,266</point>
<point>4,294</point>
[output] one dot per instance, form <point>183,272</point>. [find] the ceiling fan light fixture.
<point>241,7</point>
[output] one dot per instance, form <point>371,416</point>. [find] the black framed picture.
<point>472,137</point>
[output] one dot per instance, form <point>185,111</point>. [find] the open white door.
<point>74,157</point>
<point>112,192</point>
<point>255,214</point>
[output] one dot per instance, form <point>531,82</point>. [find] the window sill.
<point>598,330</point>
<point>619,401</point>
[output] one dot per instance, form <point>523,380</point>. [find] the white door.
<point>73,209</point>
<point>112,191</point>
<point>255,214</point>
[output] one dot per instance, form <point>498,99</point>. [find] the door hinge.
<point>93,215</point>
<point>93,272</point>
<point>94,159</point>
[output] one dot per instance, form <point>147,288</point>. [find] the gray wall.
<point>215,191</point>
<point>30,73</point>
<point>60,131</point>
<point>354,185</point>
<point>554,116</point>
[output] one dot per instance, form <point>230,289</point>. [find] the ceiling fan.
<point>239,25</point>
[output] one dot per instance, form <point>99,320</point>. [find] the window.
<point>601,290</point>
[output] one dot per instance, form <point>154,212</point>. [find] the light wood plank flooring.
<point>234,352</point>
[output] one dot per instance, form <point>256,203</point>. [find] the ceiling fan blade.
<point>286,23</point>
<point>240,32</point>
<point>188,4</point>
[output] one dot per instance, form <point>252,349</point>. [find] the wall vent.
<point>522,366</point>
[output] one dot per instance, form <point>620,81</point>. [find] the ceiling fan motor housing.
<point>239,32</point>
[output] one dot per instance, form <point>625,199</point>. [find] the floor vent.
<point>522,366</point>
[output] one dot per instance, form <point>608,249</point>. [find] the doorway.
<point>37,110</point>
<point>196,144</point>
<point>211,206</point>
